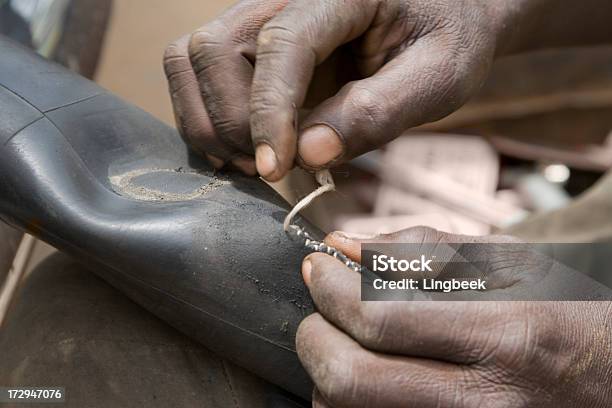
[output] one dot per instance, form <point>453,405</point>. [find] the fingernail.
<point>246,165</point>
<point>306,271</point>
<point>319,145</point>
<point>352,236</point>
<point>214,160</point>
<point>265,160</point>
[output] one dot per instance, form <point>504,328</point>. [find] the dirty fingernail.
<point>214,160</point>
<point>246,165</point>
<point>319,145</point>
<point>306,271</point>
<point>265,160</point>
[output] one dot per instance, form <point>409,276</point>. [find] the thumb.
<point>420,85</point>
<point>350,244</point>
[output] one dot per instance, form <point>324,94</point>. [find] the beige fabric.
<point>587,219</point>
<point>140,30</point>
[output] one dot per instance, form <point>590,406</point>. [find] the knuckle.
<point>208,42</point>
<point>274,33</point>
<point>370,107</point>
<point>201,42</point>
<point>368,102</point>
<point>175,59</point>
<point>173,50</point>
<point>265,100</point>
<point>230,130</point>
<point>214,34</point>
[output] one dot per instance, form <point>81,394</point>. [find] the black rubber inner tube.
<point>109,184</point>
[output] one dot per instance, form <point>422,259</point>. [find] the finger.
<point>347,375</point>
<point>220,53</point>
<point>191,116</point>
<point>289,47</point>
<point>420,85</point>
<point>350,244</point>
<point>432,329</point>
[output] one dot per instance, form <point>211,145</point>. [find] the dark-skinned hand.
<point>455,354</point>
<point>368,69</point>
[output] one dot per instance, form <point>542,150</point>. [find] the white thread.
<point>324,178</point>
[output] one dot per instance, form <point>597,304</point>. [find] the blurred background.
<point>119,44</point>
<point>527,156</point>
<point>513,159</point>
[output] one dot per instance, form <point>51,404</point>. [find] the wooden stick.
<point>18,268</point>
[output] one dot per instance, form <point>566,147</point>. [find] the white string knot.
<point>326,182</point>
